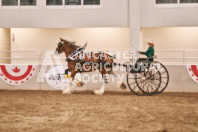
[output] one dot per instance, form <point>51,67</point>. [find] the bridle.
<point>59,46</point>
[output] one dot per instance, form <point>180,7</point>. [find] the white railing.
<point>167,57</point>
<point>184,56</point>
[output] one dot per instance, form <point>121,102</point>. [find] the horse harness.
<point>79,51</point>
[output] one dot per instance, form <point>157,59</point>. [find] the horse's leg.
<point>105,81</point>
<point>78,82</point>
<point>120,83</point>
<point>67,90</point>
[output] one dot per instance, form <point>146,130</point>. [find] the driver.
<point>149,53</point>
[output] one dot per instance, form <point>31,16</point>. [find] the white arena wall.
<point>42,39</point>
<point>4,44</point>
<point>180,81</point>
<point>171,38</point>
<point>111,13</point>
<point>185,15</point>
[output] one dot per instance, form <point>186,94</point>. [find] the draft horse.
<point>97,61</point>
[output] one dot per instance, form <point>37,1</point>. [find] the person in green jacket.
<point>149,53</point>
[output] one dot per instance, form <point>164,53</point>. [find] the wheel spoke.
<point>147,88</point>
<point>163,82</point>
<point>143,86</point>
<point>163,72</point>
<point>154,84</point>
<point>151,86</point>
<point>132,83</point>
<point>157,82</point>
<point>135,87</point>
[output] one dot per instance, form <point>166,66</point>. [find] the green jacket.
<point>149,52</point>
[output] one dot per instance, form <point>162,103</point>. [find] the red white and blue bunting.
<point>16,74</point>
<point>193,72</point>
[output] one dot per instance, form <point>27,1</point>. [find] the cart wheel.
<point>131,81</point>
<point>149,80</point>
<point>164,76</point>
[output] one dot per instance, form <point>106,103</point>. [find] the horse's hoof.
<point>123,86</point>
<point>98,92</point>
<point>80,84</point>
<point>66,91</point>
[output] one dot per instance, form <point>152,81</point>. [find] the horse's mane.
<point>71,43</point>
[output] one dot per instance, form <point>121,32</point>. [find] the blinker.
<point>60,44</point>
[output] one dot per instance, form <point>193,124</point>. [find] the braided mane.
<point>71,43</point>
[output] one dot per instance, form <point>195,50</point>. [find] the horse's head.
<point>66,46</point>
<point>60,46</point>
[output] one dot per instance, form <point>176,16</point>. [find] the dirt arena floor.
<point>51,111</point>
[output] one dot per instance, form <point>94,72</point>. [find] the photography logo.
<point>57,79</point>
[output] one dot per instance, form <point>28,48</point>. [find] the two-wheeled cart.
<point>153,79</point>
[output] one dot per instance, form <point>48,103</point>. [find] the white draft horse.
<point>94,59</point>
